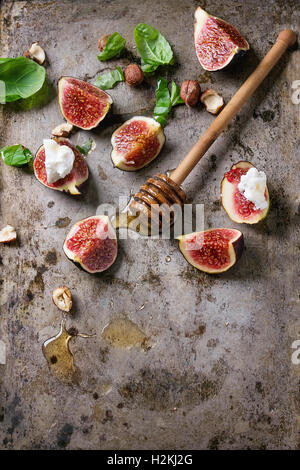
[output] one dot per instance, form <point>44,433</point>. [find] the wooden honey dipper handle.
<point>286,38</point>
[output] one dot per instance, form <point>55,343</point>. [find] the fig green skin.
<point>235,253</point>
<point>260,216</point>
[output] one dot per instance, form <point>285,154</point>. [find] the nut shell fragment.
<point>212,101</point>
<point>36,53</point>
<point>63,130</point>
<point>8,234</point>
<point>62,298</point>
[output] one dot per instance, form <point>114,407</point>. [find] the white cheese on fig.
<point>253,186</point>
<point>59,160</point>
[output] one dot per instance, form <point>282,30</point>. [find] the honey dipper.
<point>163,189</point>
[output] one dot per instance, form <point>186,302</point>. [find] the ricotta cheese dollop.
<point>252,186</point>
<point>59,160</point>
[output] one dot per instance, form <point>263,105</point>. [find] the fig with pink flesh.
<point>212,251</point>
<point>82,104</point>
<point>136,143</point>
<point>216,41</point>
<point>70,183</point>
<point>92,243</point>
<point>238,208</point>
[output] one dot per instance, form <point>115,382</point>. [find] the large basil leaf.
<point>115,44</point>
<point>22,77</point>
<point>15,155</point>
<point>110,79</point>
<point>165,101</point>
<point>152,46</point>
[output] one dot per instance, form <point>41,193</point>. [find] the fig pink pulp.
<point>92,243</point>
<point>212,251</point>
<point>70,183</point>
<point>216,41</point>
<point>240,209</point>
<point>82,104</point>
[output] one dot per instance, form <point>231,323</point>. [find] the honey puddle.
<point>59,357</point>
<point>123,333</point>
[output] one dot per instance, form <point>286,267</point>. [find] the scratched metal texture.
<point>219,373</point>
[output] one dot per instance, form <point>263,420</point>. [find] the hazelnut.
<point>63,130</point>
<point>212,101</point>
<point>62,298</point>
<point>36,53</point>
<point>8,234</point>
<point>133,75</point>
<point>190,92</point>
<point>102,42</point>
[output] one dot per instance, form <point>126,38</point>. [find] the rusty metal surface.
<point>219,372</point>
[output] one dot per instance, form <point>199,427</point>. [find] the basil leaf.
<point>86,147</point>
<point>115,44</point>
<point>147,68</point>
<point>175,94</point>
<point>110,79</point>
<point>152,46</point>
<point>22,77</point>
<point>165,101</point>
<point>16,155</point>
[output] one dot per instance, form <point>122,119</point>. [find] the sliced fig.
<point>216,41</point>
<point>92,243</point>
<point>82,104</point>
<point>73,180</point>
<point>238,208</point>
<point>136,143</point>
<point>212,251</point>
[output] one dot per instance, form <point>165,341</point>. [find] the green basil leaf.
<point>147,68</point>
<point>161,119</point>
<point>22,77</point>
<point>175,94</point>
<point>152,46</point>
<point>16,155</point>
<point>115,44</point>
<point>86,147</point>
<point>110,79</point>
<point>165,101</point>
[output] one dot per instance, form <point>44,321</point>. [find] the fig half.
<point>212,251</point>
<point>70,183</point>
<point>82,104</point>
<point>92,243</point>
<point>216,41</point>
<point>136,143</point>
<point>238,208</point>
